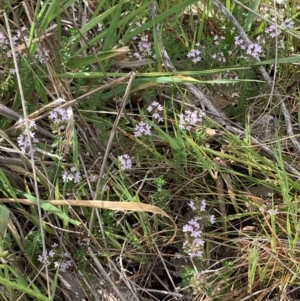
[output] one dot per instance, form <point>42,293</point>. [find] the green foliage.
<point>186,275</point>
<point>33,244</point>
<point>169,166</point>
<point>162,195</point>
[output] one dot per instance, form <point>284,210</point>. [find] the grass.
<point>156,157</point>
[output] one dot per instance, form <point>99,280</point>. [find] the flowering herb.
<point>142,128</point>
<point>194,54</point>
<point>71,176</point>
<point>23,139</point>
<point>59,117</point>
<point>193,229</point>
<point>189,119</point>
<point>155,108</point>
<point>125,162</point>
<point>49,257</point>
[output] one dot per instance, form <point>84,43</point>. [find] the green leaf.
<point>151,74</point>
<point>6,187</point>
<point>286,60</point>
<point>90,59</point>
<point>94,22</point>
<point>109,39</point>
<point>4,217</point>
<point>52,209</point>
<point>254,5</point>
<point>123,22</point>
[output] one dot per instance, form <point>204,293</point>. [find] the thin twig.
<point>113,132</point>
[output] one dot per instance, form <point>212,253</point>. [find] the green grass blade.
<point>23,289</point>
<point>254,5</point>
<point>90,59</point>
<point>175,9</point>
<point>52,209</point>
<point>6,187</point>
<point>108,41</point>
<point>4,217</point>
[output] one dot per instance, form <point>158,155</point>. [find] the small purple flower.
<point>23,139</point>
<point>189,119</point>
<point>42,54</point>
<point>192,205</point>
<point>138,56</point>
<point>44,258</point>
<point>142,128</point>
<point>58,115</point>
<point>199,242</point>
<point>194,54</point>
<point>289,24</point>
<point>272,31</point>
<point>73,169</point>
<point>194,223</point>
<point>63,266</point>
<point>194,242</point>
<point>23,143</point>
<point>203,206</point>
<point>71,176</point>
<point>66,255</point>
<point>196,233</point>
<point>216,40</point>
<point>145,48</point>
<point>125,161</point>
<point>196,254</point>
<point>16,37</point>
<point>31,123</point>
<point>155,108</point>
<point>77,177</point>
<point>157,117</point>
<point>272,211</point>
<point>148,130</point>
<point>56,264</point>
<point>53,115</point>
<point>187,228</point>
<point>254,50</point>
<point>238,41</point>
<point>212,219</point>
<point>2,38</point>
<point>65,176</point>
